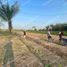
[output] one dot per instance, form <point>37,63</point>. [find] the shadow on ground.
<point>8,56</point>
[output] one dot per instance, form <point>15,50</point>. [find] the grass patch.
<point>45,32</point>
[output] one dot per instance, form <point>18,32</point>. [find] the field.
<point>32,51</point>
<point>44,32</point>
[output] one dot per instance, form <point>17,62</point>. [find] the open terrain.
<point>32,51</point>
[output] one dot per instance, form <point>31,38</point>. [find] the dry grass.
<point>19,53</point>
<point>57,49</point>
<point>30,53</point>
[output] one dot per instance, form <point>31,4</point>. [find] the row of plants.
<point>38,52</point>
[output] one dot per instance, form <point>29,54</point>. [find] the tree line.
<point>58,27</point>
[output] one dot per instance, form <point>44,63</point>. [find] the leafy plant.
<point>47,65</point>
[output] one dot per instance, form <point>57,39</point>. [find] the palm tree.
<point>7,12</point>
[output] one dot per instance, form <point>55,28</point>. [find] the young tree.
<point>7,12</point>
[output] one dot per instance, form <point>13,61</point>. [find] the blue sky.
<point>40,13</point>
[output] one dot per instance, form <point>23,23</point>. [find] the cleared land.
<point>32,51</point>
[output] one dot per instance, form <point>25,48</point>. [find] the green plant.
<point>7,12</point>
<point>60,65</point>
<point>47,65</point>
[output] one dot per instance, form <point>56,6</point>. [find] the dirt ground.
<point>31,51</point>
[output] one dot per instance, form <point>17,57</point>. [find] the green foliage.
<point>45,32</point>
<point>58,27</point>
<point>47,65</point>
<point>7,12</point>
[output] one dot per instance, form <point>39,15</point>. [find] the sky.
<point>39,13</point>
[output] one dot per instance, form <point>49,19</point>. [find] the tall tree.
<point>7,12</point>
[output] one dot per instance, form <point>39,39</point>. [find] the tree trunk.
<point>10,26</point>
